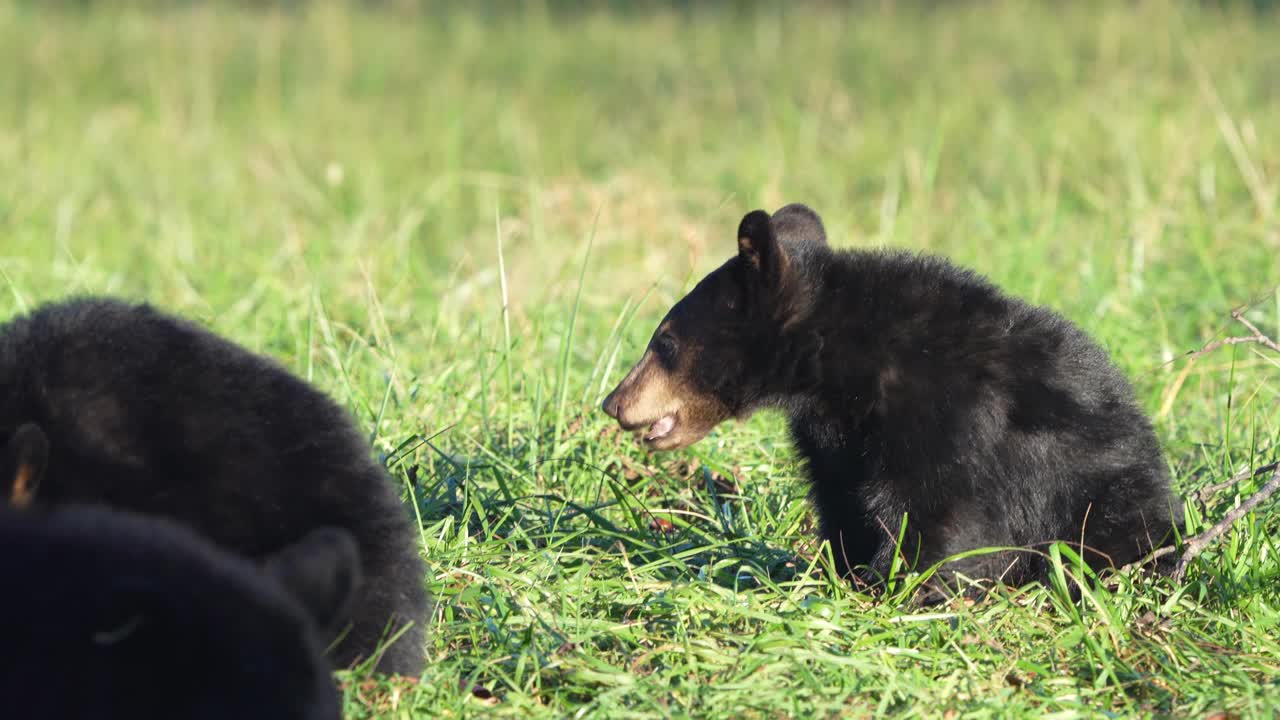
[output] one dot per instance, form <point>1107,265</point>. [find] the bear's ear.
<point>321,571</point>
<point>758,246</point>
<point>798,228</point>
<point>23,459</point>
<point>773,245</point>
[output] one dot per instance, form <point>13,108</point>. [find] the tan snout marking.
<point>21,495</point>
<point>647,393</point>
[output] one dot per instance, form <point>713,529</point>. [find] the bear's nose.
<point>611,405</point>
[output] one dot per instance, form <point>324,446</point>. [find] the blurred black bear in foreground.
<point>149,413</point>
<point>107,614</point>
<point>912,386</point>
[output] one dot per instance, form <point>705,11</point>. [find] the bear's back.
<point>989,420</point>
<point>153,413</point>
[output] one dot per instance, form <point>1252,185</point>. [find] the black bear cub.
<point>106,614</point>
<point>142,411</point>
<point>912,387</point>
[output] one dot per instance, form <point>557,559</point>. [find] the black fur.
<point>153,414</point>
<point>106,614</point>
<point>914,386</point>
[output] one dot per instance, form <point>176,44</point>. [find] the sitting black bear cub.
<point>107,614</point>
<point>912,386</point>
<point>142,411</point>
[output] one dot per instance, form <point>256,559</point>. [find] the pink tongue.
<point>662,427</point>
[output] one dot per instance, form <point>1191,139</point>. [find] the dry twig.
<point>1197,544</point>
<point>1255,337</point>
<point>1203,493</point>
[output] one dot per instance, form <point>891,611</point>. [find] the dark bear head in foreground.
<point>736,342</point>
<point>109,614</point>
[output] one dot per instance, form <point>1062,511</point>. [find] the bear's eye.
<point>665,347</point>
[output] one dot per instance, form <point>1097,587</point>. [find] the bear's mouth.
<point>660,428</point>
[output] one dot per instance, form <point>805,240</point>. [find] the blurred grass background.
<point>331,182</point>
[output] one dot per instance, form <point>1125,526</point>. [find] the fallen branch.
<point>1255,337</point>
<point>1197,544</point>
<point>1239,477</point>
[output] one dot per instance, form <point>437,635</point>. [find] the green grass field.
<point>465,226</point>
